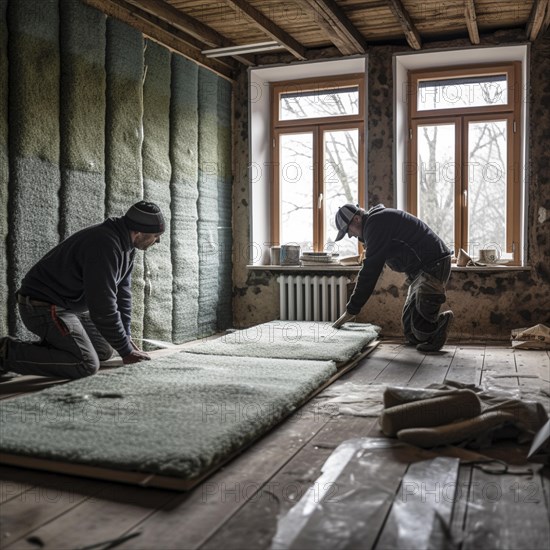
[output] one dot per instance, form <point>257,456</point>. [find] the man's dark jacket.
<point>90,271</point>
<point>398,239</point>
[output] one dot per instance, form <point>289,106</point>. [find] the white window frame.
<point>259,170</point>
<point>403,63</point>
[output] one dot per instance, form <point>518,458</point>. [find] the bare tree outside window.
<point>338,167</point>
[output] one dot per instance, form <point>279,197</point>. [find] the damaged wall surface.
<point>486,304</point>
<point>94,117</point>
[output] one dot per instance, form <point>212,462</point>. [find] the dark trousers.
<point>425,297</point>
<point>70,345</point>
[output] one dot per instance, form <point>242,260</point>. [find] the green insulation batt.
<point>207,205</point>
<point>33,53</point>
<point>156,188</point>
<point>175,416</point>
<point>185,193</point>
<point>123,167</point>
<point>82,39</point>
<point>4,167</point>
<point>225,196</point>
<point>293,340</point>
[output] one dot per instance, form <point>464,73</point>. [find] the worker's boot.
<point>3,353</point>
<point>437,341</point>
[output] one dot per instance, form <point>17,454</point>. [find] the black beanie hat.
<point>145,217</point>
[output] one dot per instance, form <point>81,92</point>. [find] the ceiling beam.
<point>471,20</point>
<point>537,19</point>
<point>546,23</point>
<point>161,32</point>
<point>340,30</point>
<point>272,30</point>
<point>182,21</point>
<point>411,34</point>
<point>191,26</point>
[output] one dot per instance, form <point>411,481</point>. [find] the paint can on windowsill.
<point>275,255</point>
<point>290,254</point>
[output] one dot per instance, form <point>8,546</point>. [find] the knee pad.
<point>428,305</point>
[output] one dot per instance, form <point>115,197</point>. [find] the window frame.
<point>317,126</point>
<point>461,116</point>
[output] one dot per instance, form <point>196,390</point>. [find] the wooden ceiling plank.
<point>330,32</point>
<point>182,21</point>
<point>411,33</point>
<point>546,23</point>
<point>537,19</point>
<point>272,30</point>
<point>160,32</point>
<point>333,14</point>
<point>191,26</point>
<point>471,20</point>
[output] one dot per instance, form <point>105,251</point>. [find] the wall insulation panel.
<point>185,194</point>
<point>225,198</point>
<point>4,167</point>
<point>123,140</point>
<point>207,205</point>
<point>156,183</point>
<point>82,39</point>
<point>33,53</point>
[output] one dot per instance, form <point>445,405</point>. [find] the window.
<point>318,159</point>
<point>464,156</point>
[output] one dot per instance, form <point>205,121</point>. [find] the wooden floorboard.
<point>239,506</point>
<point>286,488</point>
<point>194,516</point>
<point>467,364</point>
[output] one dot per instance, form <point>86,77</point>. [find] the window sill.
<point>305,268</point>
<point>356,268</point>
<point>491,268</point>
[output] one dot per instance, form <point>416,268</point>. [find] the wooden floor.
<point>240,505</point>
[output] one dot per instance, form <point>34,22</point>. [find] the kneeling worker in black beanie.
<point>77,299</point>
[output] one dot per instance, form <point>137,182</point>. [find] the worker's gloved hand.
<point>343,319</point>
<point>135,356</point>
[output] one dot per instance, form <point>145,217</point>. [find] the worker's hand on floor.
<point>343,319</point>
<point>135,356</point>
<point>134,345</point>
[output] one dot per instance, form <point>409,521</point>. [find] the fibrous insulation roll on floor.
<point>178,415</point>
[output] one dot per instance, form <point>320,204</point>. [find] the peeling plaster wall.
<point>486,305</point>
<point>256,293</point>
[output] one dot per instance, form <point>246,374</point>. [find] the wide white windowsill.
<point>305,268</point>
<point>356,268</point>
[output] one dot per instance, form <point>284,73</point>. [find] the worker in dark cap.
<point>405,244</point>
<point>77,299</point>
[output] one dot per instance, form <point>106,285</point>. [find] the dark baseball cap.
<point>343,219</point>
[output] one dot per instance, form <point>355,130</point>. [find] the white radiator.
<point>312,297</point>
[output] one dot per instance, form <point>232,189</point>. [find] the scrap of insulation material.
<point>176,416</point>
<point>293,340</point>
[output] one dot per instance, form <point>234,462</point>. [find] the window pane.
<point>296,188</point>
<point>487,175</point>
<point>341,178</point>
<point>452,93</point>
<point>298,105</point>
<point>436,178</point>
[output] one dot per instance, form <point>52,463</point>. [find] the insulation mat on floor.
<point>310,340</point>
<point>165,423</point>
<point>175,416</point>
